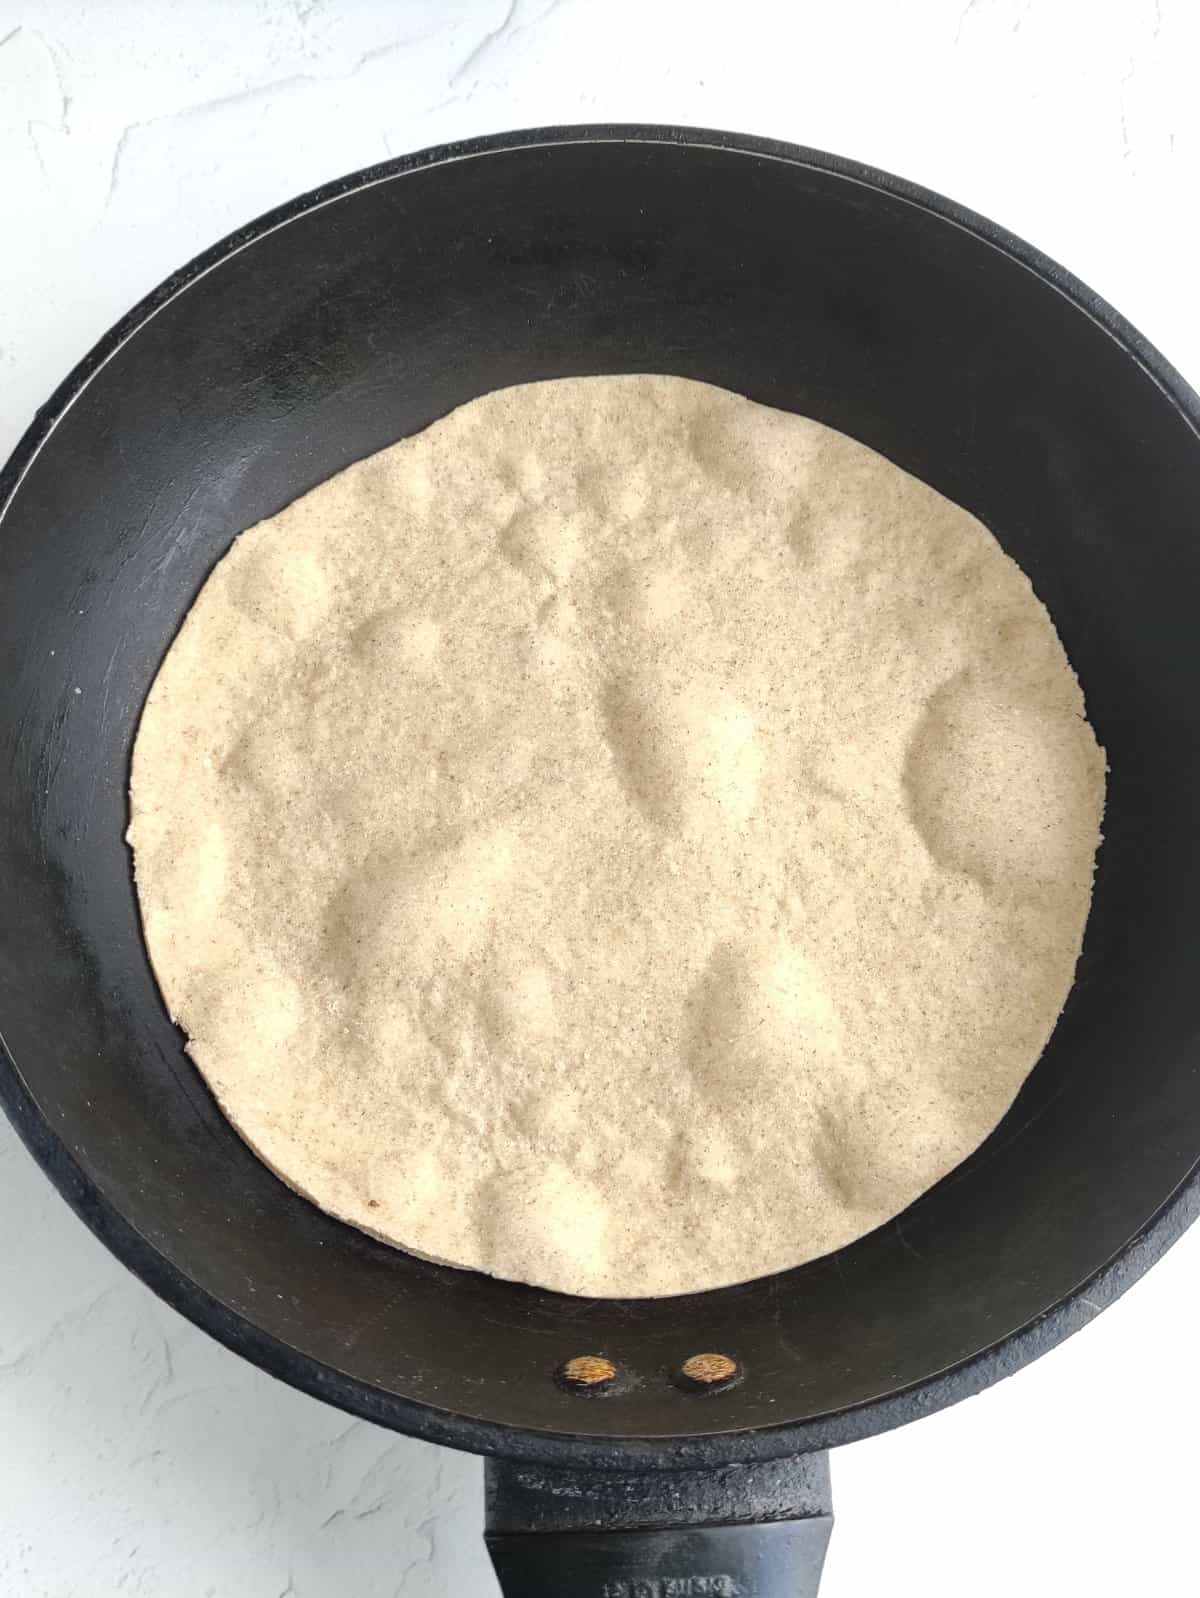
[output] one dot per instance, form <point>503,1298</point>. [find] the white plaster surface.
<point>136,1456</point>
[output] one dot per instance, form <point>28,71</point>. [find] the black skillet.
<point>362,312</point>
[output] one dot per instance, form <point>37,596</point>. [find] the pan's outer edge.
<point>441,1426</point>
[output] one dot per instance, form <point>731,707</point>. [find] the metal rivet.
<point>588,1372</point>
<point>706,1371</point>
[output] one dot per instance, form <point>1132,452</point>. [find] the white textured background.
<point>136,1457</point>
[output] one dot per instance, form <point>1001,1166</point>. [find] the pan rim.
<point>419,1419</point>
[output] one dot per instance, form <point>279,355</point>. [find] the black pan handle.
<point>781,1559</point>
<point>753,1531</point>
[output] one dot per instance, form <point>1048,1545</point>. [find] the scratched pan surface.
<point>363,312</point>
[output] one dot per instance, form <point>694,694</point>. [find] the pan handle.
<point>750,1531</point>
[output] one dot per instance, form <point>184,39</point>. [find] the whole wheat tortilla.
<point>625,838</point>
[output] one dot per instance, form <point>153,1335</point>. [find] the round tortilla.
<point>625,838</point>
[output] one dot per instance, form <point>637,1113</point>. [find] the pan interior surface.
<point>360,317</point>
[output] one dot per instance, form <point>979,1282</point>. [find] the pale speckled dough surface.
<point>623,838</point>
